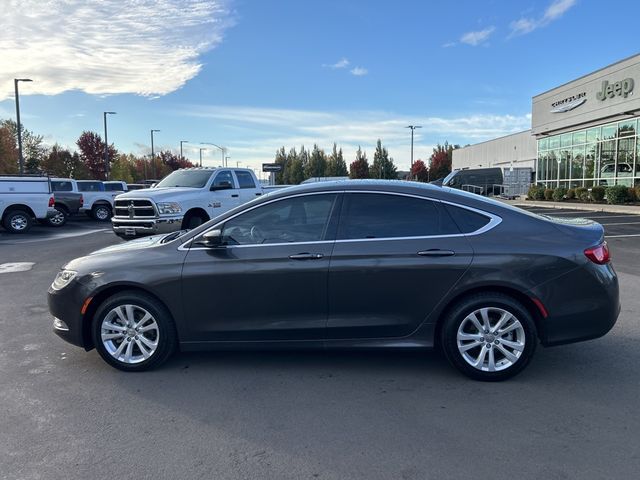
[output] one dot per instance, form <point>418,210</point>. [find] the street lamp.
<point>106,145</point>
<point>181,142</point>
<point>201,150</point>
<point>20,157</point>
<point>412,127</point>
<point>223,150</point>
<point>153,155</point>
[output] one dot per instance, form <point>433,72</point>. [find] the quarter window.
<point>370,215</point>
<point>58,186</point>
<point>297,219</point>
<point>245,179</point>
<point>467,220</point>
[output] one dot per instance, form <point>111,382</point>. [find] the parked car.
<point>623,171</point>
<point>351,264</point>
<point>115,186</point>
<point>184,199</point>
<point>98,203</point>
<point>483,181</point>
<point>24,199</point>
<point>67,203</point>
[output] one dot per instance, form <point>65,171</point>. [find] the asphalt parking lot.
<point>573,414</point>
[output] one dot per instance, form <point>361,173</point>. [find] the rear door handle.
<point>436,252</point>
<point>306,256</point>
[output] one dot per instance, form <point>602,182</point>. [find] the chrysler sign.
<point>569,103</point>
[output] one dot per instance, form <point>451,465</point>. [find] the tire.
<point>59,219</point>
<point>193,221</point>
<point>17,221</point>
<point>112,338</point>
<point>465,342</point>
<point>101,212</point>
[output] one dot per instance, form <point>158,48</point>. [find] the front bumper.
<point>134,227</point>
<point>65,306</point>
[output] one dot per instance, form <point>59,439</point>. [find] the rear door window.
<point>245,179</point>
<point>372,215</point>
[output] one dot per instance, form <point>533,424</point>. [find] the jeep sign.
<point>620,89</point>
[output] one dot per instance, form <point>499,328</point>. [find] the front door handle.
<point>306,256</point>
<point>436,252</point>
<point>235,195</point>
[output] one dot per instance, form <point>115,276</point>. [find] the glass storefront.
<point>605,155</point>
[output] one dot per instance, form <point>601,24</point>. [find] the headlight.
<point>168,208</point>
<point>63,279</point>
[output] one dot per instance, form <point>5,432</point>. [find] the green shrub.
<point>558,194</point>
<point>597,193</point>
<point>582,194</point>
<point>571,194</point>
<point>539,193</point>
<point>548,194</point>
<point>617,194</point>
<point>632,194</point>
<point>531,193</point>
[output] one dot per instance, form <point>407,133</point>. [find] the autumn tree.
<point>336,166</point>
<point>360,167</point>
<point>173,161</point>
<point>383,166</point>
<point>419,171</point>
<point>441,159</point>
<point>8,151</point>
<point>92,154</point>
<point>33,148</point>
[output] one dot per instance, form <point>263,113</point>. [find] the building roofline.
<point>586,75</point>
<point>494,139</point>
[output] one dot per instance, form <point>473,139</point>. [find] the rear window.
<point>90,187</point>
<point>114,187</point>
<point>467,220</point>
<point>61,186</point>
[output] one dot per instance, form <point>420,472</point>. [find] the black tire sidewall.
<point>456,316</point>
<point>7,221</point>
<point>94,212</point>
<point>167,335</point>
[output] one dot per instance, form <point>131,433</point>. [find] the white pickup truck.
<point>184,199</point>
<point>97,203</point>
<point>23,199</point>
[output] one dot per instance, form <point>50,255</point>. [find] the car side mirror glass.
<point>221,186</point>
<point>212,238</point>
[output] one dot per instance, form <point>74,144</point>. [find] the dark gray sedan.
<point>352,264</point>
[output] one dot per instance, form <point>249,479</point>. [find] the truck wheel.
<point>193,221</point>
<point>17,221</point>
<point>102,213</point>
<point>59,219</point>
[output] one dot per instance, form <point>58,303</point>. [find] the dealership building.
<point>583,133</point>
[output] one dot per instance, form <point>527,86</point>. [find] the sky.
<point>255,75</point>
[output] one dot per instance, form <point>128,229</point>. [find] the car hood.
<point>156,194</point>
<point>137,244</point>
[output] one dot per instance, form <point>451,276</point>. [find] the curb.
<point>629,210</point>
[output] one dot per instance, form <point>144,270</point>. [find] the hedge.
<point>597,193</point>
<point>617,194</point>
<point>558,194</point>
<point>582,194</point>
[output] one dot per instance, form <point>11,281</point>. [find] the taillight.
<point>81,200</point>
<point>598,254</point>
<point>52,202</point>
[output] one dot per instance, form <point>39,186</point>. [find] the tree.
<point>122,169</point>
<point>383,166</point>
<point>92,154</point>
<point>317,164</point>
<point>292,157</point>
<point>8,151</point>
<point>360,167</point>
<point>33,148</point>
<point>336,166</point>
<point>303,156</point>
<point>419,171</point>
<point>281,159</point>
<point>173,161</point>
<point>441,158</point>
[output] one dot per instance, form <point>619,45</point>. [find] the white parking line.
<point>622,236</point>
<point>16,267</point>
<point>48,238</point>
<point>621,223</point>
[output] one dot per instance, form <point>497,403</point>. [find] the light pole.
<point>20,157</point>
<point>181,142</point>
<point>201,150</point>
<point>153,155</point>
<point>223,150</point>
<point>106,145</point>
<point>412,127</point>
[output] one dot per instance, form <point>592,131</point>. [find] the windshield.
<point>449,177</point>
<point>186,178</point>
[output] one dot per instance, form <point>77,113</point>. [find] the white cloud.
<point>359,71</point>
<point>477,37</point>
<point>448,44</point>
<point>101,47</point>
<point>342,63</point>
<point>553,12</point>
<point>271,128</point>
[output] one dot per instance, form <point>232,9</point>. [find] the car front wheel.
<point>133,331</point>
<point>489,337</point>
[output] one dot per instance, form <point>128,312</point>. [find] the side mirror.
<point>221,186</point>
<point>212,238</point>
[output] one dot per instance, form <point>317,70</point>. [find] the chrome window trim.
<point>494,221</point>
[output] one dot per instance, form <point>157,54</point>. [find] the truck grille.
<point>134,209</point>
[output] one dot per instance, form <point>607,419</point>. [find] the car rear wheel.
<point>17,221</point>
<point>102,213</point>
<point>489,337</point>
<point>133,331</point>
<point>59,219</point>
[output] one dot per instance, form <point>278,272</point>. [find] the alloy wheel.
<point>491,339</point>
<point>102,213</point>
<point>58,218</point>
<point>19,222</point>
<point>130,334</point>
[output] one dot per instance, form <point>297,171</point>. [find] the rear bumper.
<point>128,227</point>
<point>583,306</point>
